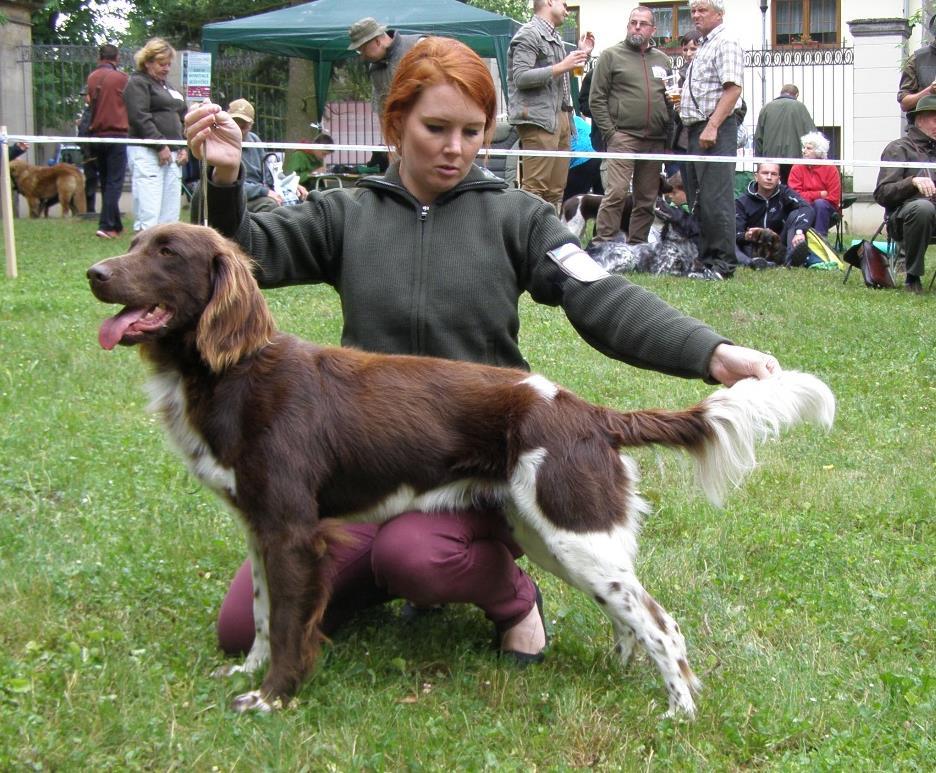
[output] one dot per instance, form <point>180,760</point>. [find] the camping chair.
<point>838,220</point>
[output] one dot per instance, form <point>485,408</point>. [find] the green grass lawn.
<point>807,602</point>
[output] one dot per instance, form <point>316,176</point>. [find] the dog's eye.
<point>166,252</point>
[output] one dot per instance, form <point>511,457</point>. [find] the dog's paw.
<point>229,670</point>
<point>254,701</point>
<point>681,708</point>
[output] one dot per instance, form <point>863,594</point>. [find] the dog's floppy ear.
<point>236,322</point>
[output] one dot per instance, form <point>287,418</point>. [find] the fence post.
<point>6,205</point>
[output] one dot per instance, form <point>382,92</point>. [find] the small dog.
<point>768,245</point>
<point>288,433</point>
<point>40,184</point>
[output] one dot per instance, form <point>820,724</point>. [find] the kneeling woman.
<point>431,259</point>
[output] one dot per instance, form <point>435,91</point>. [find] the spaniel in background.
<point>285,432</point>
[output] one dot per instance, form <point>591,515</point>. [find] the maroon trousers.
<point>426,558</point>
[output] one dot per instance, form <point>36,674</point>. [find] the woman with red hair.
<point>431,259</point>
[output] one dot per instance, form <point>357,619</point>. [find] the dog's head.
<point>188,283</point>
<point>18,168</point>
<point>767,244</point>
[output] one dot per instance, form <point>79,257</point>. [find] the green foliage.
<point>181,21</point>
<point>518,10</point>
<point>69,22</point>
<point>808,603</point>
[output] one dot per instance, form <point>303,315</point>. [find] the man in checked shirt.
<point>711,92</point>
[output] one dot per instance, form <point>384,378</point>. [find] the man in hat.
<point>918,75</point>
<point>258,180</point>
<point>907,193</point>
<point>382,49</point>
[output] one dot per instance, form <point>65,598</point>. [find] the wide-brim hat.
<point>241,108</point>
<point>364,30</point>
<point>925,105</point>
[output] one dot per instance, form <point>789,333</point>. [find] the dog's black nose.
<point>99,272</point>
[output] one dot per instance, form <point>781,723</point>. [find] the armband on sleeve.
<point>577,263</point>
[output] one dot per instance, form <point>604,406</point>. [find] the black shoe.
<point>798,254</point>
<point>524,659</point>
<point>761,264</point>
<point>915,288</point>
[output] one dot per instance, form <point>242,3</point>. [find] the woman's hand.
<point>215,138</point>
<point>731,363</point>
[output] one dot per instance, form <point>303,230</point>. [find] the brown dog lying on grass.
<point>41,183</point>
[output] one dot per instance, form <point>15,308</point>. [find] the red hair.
<point>434,61</point>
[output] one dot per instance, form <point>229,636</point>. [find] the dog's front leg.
<point>297,589</point>
<point>259,653</point>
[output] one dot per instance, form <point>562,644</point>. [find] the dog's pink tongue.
<point>114,328</point>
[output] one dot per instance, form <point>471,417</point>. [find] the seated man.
<point>305,163</point>
<point>769,204</point>
<point>907,193</point>
<point>258,180</point>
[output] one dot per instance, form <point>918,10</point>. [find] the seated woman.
<point>821,186</point>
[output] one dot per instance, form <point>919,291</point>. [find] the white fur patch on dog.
<point>542,385</point>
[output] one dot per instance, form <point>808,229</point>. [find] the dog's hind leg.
<point>601,564</point>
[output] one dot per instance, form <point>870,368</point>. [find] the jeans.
<point>157,188</point>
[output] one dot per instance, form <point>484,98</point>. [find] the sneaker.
<point>107,234</point>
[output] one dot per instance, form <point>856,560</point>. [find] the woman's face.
<point>810,151</point>
<point>158,67</point>
<point>440,139</point>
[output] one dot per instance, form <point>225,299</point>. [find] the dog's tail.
<point>722,431</point>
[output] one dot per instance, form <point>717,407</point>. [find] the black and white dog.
<point>672,249</point>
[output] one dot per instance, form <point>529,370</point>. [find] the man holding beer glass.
<point>629,103</point>
<point>539,101</point>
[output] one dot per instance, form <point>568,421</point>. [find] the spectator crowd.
<point>632,100</point>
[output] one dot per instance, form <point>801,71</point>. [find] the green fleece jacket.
<point>445,280</point>
<point>627,92</point>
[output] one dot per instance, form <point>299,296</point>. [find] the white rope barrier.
<point>876,163</point>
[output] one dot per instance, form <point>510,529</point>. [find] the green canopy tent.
<point>319,31</point>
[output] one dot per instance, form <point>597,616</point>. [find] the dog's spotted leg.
<point>635,616</point>
<point>624,641</point>
<point>259,654</point>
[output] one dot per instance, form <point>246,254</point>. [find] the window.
<point>672,21</point>
<point>796,21</point>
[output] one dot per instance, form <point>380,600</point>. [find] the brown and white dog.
<point>288,433</point>
<point>40,184</point>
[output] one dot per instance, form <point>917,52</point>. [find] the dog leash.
<point>203,192</point>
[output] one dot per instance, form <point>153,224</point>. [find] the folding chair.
<point>838,220</point>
